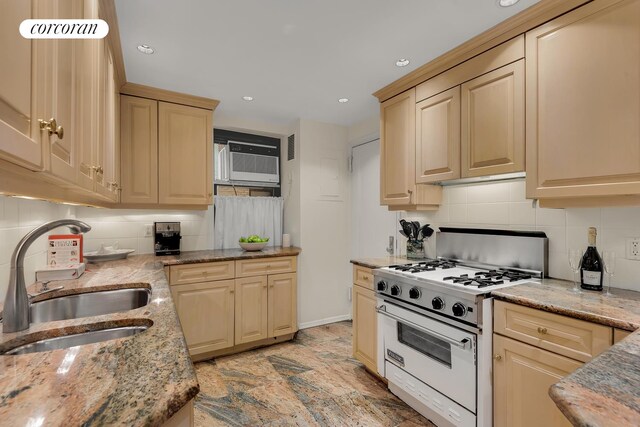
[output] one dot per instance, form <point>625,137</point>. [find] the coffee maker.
<point>167,238</point>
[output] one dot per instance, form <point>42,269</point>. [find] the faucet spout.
<point>15,315</point>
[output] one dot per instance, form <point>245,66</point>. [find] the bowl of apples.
<point>253,243</point>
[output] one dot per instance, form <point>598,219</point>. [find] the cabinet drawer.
<point>262,266</point>
<point>363,276</point>
<point>564,335</point>
<point>202,272</point>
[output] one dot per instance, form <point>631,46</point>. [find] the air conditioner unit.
<point>253,162</point>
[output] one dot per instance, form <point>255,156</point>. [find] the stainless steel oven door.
<point>440,355</point>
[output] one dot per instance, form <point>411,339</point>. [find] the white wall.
<point>324,272</point>
<point>503,205</point>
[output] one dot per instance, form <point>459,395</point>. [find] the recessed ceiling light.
<point>507,3</point>
<point>248,98</point>
<point>402,62</point>
<point>145,49</point>
<point>343,100</point>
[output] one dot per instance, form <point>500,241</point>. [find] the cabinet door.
<point>397,149</point>
<point>206,313</point>
<point>522,376</point>
<point>251,309</point>
<point>438,137</point>
<point>283,302</point>
<point>20,138</point>
<point>583,102</point>
<point>107,145</point>
<point>58,98</point>
<point>493,122</point>
<point>185,154</point>
<point>139,149</point>
<point>365,327</point>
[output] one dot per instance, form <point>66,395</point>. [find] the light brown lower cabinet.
<point>522,377</point>
<point>283,304</point>
<point>221,313</point>
<point>365,327</point>
<point>206,312</point>
<point>251,309</point>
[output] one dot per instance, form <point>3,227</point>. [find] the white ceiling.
<point>295,57</point>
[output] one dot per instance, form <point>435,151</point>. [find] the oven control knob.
<point>459,310</point>
<point>414,293</point>
<point>437,303</point>
<point>395,290</point>
<point>382,286</point>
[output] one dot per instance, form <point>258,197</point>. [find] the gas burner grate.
<point>477,281</point>
<point>503,274</point>
<point>422,266</point>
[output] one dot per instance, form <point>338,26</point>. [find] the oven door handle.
<point>460,344</point>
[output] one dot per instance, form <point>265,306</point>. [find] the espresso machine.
<point>167,238</point>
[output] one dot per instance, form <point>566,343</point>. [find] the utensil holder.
<point>415,249</point>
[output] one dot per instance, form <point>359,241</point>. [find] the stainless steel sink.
<point>89,304</point>
<point>83,338</point>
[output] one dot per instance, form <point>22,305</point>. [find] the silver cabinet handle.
<point>460,344</point>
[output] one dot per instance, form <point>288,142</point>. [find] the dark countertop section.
<point>381,262</point>
<point>606,390</point>
<point>136,381</point>
<point>193,257</point>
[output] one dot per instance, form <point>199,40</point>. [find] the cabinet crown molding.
<point>143,91</point>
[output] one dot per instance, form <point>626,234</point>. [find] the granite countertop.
<point>606,390</point>
<point>139,380</point>
<point>380,262</point>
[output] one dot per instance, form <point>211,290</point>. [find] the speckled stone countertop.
<point>606,390</point>
<point>136,381</point>
<point>381,262</point>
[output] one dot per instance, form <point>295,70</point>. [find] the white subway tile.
<point>577,237</point>
<point>488,213</point>
<point>626,275</point>
<point>4,280</point>
<point>517,191</point>
<point>590,217</point>
<point>488,192</point>
<point>522,213</point>
<point>556,217</point>
<point>458,213</point>
<point>621,217</point>
<point>614,239</point>
<point>559,266</point>
<point>145,245</point>
<point>557,238</point>
<point>457,194</point>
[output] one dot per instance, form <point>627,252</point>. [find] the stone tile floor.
<point>310,381</point>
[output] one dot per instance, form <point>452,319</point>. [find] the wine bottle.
<point>591,265</point>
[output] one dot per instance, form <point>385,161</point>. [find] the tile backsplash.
<point>503,205</point>
<point>127,227</point>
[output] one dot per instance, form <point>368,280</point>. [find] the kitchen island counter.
<point>606,390</point>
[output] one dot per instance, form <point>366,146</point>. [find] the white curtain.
<point>237,217</point>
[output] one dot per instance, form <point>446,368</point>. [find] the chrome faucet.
<point>15,315</point>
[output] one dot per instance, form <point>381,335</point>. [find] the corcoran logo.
<point>64,29</point>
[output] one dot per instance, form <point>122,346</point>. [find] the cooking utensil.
<point>416,229</point>
<point>407,228</point>
<point>403,233</point>
<point>426,232</point>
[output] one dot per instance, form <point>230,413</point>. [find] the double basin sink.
<point>85,305</point>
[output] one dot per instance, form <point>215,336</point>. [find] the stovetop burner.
<point>483,279</point>
<point>428,265</point>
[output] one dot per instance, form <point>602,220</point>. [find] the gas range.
<point>447,287</point>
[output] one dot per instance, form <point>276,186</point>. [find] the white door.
<point>371,224</point>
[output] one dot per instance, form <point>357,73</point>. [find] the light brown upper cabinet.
<point>438,137</point>
<point>139,150</point>
<point>398,188</point>
<point>493,122</point>
<point>185,154</point>
<point>20,137</point>
<point>167,148</point>
<point>583,105</point>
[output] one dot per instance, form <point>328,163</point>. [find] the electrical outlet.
<point>633,248</point>
<point>148,230</point>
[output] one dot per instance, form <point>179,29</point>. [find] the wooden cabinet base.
<point>182,418</point>
<point>243,347</point>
